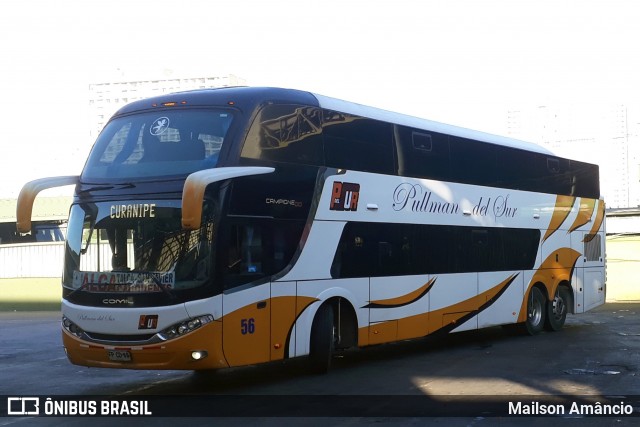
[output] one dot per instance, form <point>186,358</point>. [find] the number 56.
<point>247,326</point>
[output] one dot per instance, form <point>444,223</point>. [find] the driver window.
<point>244,260</point>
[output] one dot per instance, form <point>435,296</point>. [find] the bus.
<point>235,226</point>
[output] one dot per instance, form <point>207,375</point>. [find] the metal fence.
<point>31,260</point>
<point>45,259</point>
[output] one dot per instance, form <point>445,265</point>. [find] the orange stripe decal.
<point>403,299</point>
<point>597,222</point>
<point>584,214</point>
<point>442,319</point>
<point>449,318</point>
<point>560,214</point>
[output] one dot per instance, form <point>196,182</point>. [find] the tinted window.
<point>473,161</point>
<point>286,133</point>
<point>422,154</point>
<point>518,169</point>
<point>522,170</point>
<point>357,143</point>
<point>307,135</point>
<point>377,249</point>
<point>585,180</point>
<point>257,249</point>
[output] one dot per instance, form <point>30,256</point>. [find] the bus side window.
<point>355,253</point>
<point>422,154</point>
<point>244,255</point>
<point>286,133</point>
<point>584,180</point>
<point>473,162</point>
<point>251,250</point>
<point>357,143</point>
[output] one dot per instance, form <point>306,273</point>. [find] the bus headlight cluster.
<point>71,327</point>
<point>182,328</point>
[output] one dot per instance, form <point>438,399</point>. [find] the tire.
<point>536,308</point>
<point>322,340</point>
<point>557,309</point>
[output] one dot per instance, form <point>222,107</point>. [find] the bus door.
<point>246,301</point>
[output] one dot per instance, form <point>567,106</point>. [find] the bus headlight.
<point>182,328</point>
<point>71,327</point>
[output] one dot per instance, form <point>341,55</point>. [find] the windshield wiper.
<point>77,290</point>
<point>108,187</point>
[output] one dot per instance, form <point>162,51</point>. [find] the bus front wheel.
<point>322,340</point>
<point>536,305</point>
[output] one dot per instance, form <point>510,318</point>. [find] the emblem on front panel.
<point>148,321</point>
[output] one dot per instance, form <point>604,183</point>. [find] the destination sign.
<point>136,210</point>
<point>93,281</point>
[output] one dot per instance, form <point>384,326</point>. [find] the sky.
<point>462,62</point>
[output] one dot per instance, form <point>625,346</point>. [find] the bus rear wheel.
<point>536,305</point>
<point>322,340</point>
<point>557,310</point>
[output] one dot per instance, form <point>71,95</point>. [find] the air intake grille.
<point>593,247</point>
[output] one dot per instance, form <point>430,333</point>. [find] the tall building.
<point>106,98</point>
<point>606,135</point>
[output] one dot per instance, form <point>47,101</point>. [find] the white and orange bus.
<point>228,227</point>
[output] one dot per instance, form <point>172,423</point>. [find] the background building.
<point>106,98</point>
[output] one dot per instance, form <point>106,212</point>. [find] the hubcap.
<point>535,311</point>
<point>558,307</point>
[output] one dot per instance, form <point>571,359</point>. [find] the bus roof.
<point>416,122</point>
<point>250,98</point>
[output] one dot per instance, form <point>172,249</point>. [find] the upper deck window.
<point>159,143</point>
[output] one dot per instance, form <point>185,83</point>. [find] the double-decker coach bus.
<point>235,226</point>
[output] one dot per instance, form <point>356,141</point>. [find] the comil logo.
<point>344,196</point>
<point>118,301</point>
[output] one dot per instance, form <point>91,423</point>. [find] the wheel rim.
<point>535,311</point>
<point>559,307</point>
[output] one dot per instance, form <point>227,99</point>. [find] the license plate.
<point>119,355</point>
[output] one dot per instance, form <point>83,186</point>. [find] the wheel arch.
<point>542,287</point>
<point>571,303</point>
<point>345,316</point>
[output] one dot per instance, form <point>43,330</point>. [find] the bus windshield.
<point>158,143</point>
<point>136,247</point>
